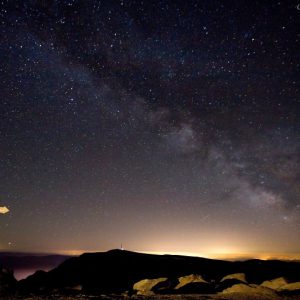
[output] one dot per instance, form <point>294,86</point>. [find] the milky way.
<point>166,127</point>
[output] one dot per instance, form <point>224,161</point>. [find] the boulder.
<point>254,291</point>
<point>290,288</point>
<point>231,280</point>
<point>274,284</point>
<point>148,287</point>
<point>237,276</point>
<point>7,281</point>
<point>164,287</point>
<point>184,280</point>
<point>193,284</point>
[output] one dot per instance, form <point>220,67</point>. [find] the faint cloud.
<point>3,210</point>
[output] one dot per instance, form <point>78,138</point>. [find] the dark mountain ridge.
<point>116,271</point>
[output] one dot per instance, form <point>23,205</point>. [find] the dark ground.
<point>156,297</point>
<point>109,274</point>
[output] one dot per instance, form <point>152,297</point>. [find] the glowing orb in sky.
<point>3,210</point>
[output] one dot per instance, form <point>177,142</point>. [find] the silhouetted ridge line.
<point>116,271</point>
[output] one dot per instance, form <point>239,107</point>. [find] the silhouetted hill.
<point>116,271</point>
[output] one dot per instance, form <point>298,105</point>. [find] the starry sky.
<point>167,126</point>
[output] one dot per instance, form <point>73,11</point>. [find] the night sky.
<point>167,126</point>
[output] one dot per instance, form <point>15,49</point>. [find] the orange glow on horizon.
<point>226,255</point>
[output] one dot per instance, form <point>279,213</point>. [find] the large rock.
<point>193,284</point>
<point>253,291</point>
<point>275,284</point>
<point>237,276</point>
<point>7,281</point>
<point>184,280</point>
<point>148,287</point>
<point>231,280</point>
<point>290,288</point>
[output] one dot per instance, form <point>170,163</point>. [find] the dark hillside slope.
<point>116,271</point>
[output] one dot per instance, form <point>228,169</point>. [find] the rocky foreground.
<point>128,275</point>
<point>156,297</point>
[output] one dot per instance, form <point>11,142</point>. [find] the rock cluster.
<point>232,284</point>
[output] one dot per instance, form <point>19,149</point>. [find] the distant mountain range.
<point>24,264</point>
